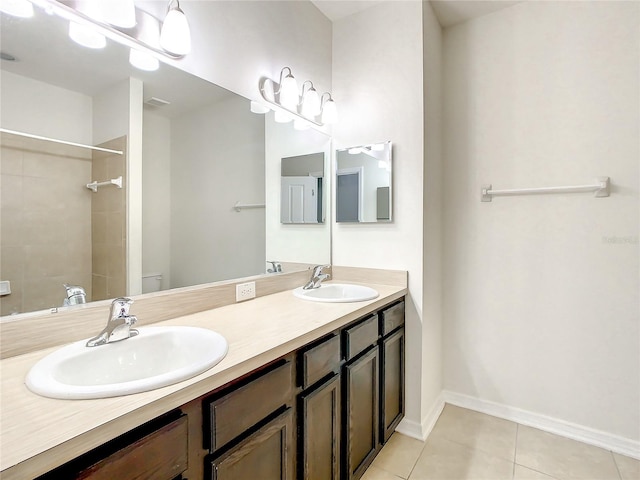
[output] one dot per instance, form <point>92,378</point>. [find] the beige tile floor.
<point>467,445</point>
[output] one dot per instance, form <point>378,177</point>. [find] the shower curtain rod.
<point>55,140</point>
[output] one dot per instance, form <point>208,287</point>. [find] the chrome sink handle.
<point>119,324</point>
<point>317,277</point>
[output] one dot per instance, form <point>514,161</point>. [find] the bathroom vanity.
<point>307,390</point>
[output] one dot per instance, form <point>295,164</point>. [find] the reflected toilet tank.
<point>151,282</point>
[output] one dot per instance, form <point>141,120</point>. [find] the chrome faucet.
<point>75,295</point>
<point>317,277</point>
<point>276,267</point>
<point>119,324</point>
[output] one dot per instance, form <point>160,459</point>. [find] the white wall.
<point>377,83</point>
<point>432,380</point>
<point>542,292</point>
<point>308,243</point>
<point>210,240</point>
<point>32,105</point>
<point>235,43</point>
<point>156,192</point>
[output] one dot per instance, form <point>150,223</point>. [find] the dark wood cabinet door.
<point>392,383</point>
<point>266,455</point>
<point>319,446</point>
<point>361,406</point>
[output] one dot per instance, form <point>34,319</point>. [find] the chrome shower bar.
<point>600,189</point>
<point>55,140</point>
<point>114,181</point>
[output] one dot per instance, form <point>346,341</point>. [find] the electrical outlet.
<point>245,291</point>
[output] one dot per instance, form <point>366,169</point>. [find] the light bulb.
<point>282,117</point>
<point>257,107</point>
<point>355,150</point>
<point>86,36</point>
<point>121,13</point>
<point>300,125</point>
<point>289,92</point>
<point>311,103</point>
<point>175,36</point>
<point>17,8</point>
<point>329,112</point>
<point>91,8</point>
<point>143,60</point>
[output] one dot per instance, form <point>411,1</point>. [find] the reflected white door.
<point>299,200</point>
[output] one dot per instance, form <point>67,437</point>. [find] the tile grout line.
<point>616,464</point>
<point>536,470</point>
<point>418,458</point>
<point>515,452</point>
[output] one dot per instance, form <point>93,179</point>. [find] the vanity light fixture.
<point>143,60</point>
<point>121,13</point>
<point>306,108</point>
<point>329,113</point>
<point>257,107</point>
<point>175,36</point>
<point>282,117</point>
<point>288,91</point>
<point>93,21</point>
<point>310,105</point>
<point>17,8</point>
<point>86,36</point>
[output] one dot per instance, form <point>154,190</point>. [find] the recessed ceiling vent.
<point>157,102</point>
<point>7,56</point>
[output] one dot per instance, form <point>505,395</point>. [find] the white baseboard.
<point>623,446</point>
<point>422,430</point>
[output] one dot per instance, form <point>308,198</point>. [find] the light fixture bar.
<point>68,13</point>
<point>277,107</point>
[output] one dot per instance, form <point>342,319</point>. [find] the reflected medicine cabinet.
<point>302,189</point>
<point>363,184</point>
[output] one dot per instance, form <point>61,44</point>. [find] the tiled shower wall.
<point>53,230</point>
<point>45,222</point>
<point>108,223</point>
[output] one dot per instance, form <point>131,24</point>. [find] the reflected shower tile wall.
<point>108,223</point>
<point>45,222</point>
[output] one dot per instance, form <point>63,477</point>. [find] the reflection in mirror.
<point>293,243</point>
<point>302,189</point>
<point>363,183</point>
<point>192,151</point>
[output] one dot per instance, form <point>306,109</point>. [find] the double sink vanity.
<point>307,388</point>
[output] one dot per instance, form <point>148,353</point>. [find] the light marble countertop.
<point>38,433</point>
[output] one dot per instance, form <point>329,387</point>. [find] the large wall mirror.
<point>200,196</point>
<point>363,184</point>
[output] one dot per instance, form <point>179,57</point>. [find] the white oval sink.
<point>156,357</point>
<point>337,292</point>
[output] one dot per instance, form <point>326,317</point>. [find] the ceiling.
<point>449,12</point>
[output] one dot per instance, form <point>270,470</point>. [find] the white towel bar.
<point>241,206</point>
<point>600,189</point>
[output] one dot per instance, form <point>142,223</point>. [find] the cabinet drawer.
<point>265,454</point>
<point>161,455</point>
<point>241,409</point>
<point>318,361</point>
<point>392,318</point>
<point>360,336</point>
